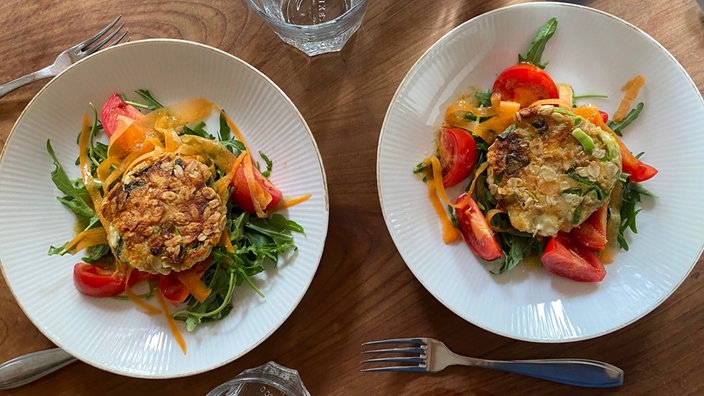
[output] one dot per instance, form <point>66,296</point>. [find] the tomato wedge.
<point>592,233</point>
<point>241,195</point>
<point>525,83</point>
<point>639,170</point>
<point>94,281</point>
<point>566,257</point>
<point>475,229</point>
<point>116,111</point>
<point>458,155</point>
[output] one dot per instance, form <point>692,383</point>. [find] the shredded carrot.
<point>449,232</point>
<point>288,202</point>
<point>437,176</point>
<point>192,281</point>
<point>631,90</point>
<point>478,172</point>
<point>490,214</point>
<point>260,197</point>
<point>172,323</point>
<point>146,308</point>
<point>554,102</point>
<point>220,186</point>
<point>147,150</point>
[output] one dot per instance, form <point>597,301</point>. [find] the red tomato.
<point>566,257</point>
<point>525,83</point>
<point>241,196</point>
<point>639,170</point>
<point>113,109</point>
<point>458,155</point>
<point>604,116</point>
<point>94,281</point>
<point>476,230</point>
<point>172,289</point>
<point>592,233</point>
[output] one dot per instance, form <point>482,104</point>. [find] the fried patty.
<point>544,178</point>
<point>163,216</point>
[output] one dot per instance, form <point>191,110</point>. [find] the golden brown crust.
<point>543,176</point>
<point>163,216</point>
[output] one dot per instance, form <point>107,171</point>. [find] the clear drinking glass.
<point>313,26</point>
<point>270,379</point>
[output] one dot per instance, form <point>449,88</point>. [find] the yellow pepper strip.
<point>87,238</point>
<point>226,242</point>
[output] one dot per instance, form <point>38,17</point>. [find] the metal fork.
<point>70,56</point>
<point>430,355</point>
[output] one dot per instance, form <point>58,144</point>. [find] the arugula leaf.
<point>198,130</point>
<point>516,246</point>
<point>632,194</point>
<point>269,164</point>
<point>74,194</point>
<point>537,46</point>
<point>152,104</point>
<point>258,242</point>
<point>225,130</point>
<point>627,120</point>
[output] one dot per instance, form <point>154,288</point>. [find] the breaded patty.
<point>544,177</point>
<point>163,216</point>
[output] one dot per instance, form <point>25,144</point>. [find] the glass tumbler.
<point>313,26</point>
<point>270,379</point>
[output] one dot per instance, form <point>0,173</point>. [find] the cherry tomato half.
<point>592,233</point>
<point>476,230</point>
<point>94,281</point>
<point>458,155</point>
<point>566,257</point>
<point>525,83</point>
<point>113,109</point>
<point>241,195</point>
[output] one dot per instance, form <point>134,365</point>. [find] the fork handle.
<point>576,372</point>
<point>32,366</point>
<point>24,80</point>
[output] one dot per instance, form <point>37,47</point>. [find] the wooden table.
<point>362,290</point>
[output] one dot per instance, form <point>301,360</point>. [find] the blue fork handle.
<point>576,372</point>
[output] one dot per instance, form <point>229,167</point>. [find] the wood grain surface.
<point>362,290</point>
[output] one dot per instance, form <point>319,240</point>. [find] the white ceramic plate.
<point>114,335</point>
<point>597,53</point>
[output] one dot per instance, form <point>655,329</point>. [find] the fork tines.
<point>414,362</point>
<point>83,46</point>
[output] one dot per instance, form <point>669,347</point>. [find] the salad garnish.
<point>549,180</point>
<point>170,205</point>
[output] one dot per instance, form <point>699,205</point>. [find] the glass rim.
<point>267,18</point>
